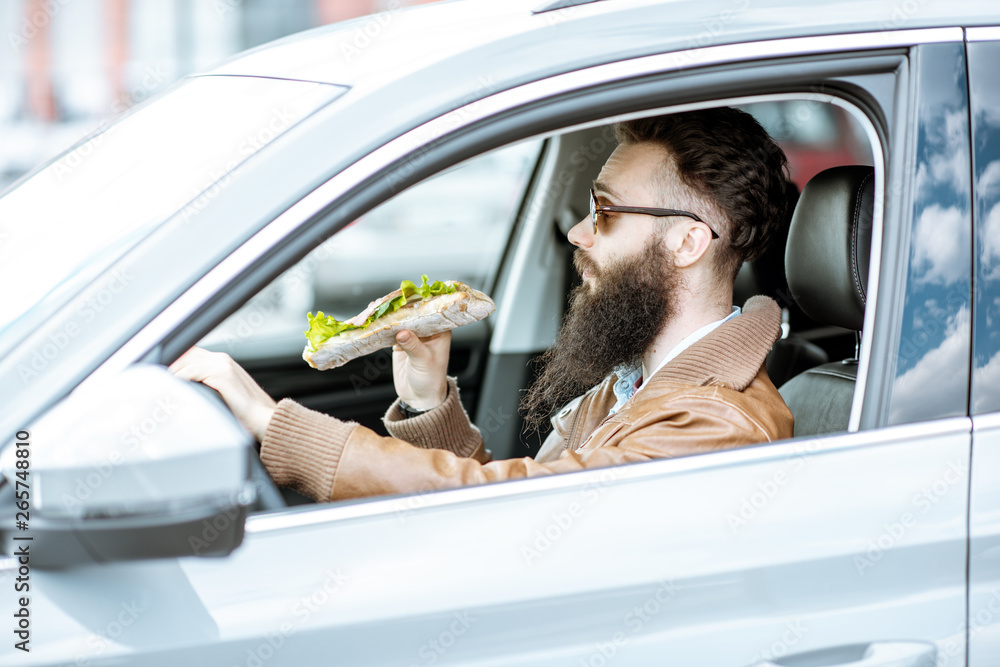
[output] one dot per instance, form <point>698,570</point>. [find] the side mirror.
<point>145,465</point>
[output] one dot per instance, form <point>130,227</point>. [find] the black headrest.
<point>829,243</point>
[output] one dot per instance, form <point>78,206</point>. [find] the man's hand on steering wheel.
<point>248,402</point>
<point>419,374</point>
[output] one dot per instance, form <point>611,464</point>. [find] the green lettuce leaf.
<point>324,327</point>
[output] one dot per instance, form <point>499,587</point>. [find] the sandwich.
<point>425,309</point>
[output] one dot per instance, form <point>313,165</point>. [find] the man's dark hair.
<point>725,155</point>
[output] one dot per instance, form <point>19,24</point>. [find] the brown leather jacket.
<point>714,395</point>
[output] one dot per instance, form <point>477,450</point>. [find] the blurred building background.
<point>69,65</point>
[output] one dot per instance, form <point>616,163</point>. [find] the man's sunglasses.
<point>596,210</point>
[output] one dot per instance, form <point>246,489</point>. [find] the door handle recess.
<point>876,654</point>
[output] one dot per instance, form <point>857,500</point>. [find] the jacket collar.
<point>731,355</point>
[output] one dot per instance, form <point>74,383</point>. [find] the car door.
<point>831,547</point>
<point>984,533</point>
<point>828,546</point>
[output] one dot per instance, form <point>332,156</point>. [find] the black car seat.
<point>791,354</point>
<point>826,262</point>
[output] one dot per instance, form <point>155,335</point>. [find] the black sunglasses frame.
<point>596,209</point>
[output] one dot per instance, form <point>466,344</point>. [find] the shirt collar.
<point>691,339</point>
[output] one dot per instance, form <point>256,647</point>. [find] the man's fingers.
<point>187,366</point>
<point>185,372</point>
<point>421,349</point>
<point>409,343</point>
<point>200,365</point>
<point>193,356</point>
<point>180,362</point>
<point>251,404</point>
<point>437,336</point>
<point>404,337</point>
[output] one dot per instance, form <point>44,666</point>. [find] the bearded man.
<point>659,361</point>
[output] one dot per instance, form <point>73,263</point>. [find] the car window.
<point>932,367</point>
<point>453,226</point>
<point>71,219</point>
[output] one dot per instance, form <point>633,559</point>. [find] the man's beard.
<point>605,327</point>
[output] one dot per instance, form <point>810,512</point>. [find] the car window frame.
<point>493,132</point>
<point>982,43</point>
<point>915,152</point>
<point>288,238</point>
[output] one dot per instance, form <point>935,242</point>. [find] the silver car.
<point>459,140</point>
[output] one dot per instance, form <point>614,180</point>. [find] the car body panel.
<point>983,618</point>
<point>871,526</point>
<point>564,571</point>
<point>442,36</point>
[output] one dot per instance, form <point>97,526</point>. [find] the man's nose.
<point>582,233</point>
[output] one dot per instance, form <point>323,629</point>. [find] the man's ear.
<point>689,241</point>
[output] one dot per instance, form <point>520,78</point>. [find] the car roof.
<point>376,49</point>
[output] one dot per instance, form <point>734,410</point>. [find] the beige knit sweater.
<point>714,395</point>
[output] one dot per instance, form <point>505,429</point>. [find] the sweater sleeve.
<point>708,398</point>
<point>302,448</point>
<point>445,427</point>
<point>334,460</point>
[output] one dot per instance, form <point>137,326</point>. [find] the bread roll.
<point>424,317</point>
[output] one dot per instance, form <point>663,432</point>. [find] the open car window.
<point>453,226</point>
<point>457,225</point>
<point>117,186</point>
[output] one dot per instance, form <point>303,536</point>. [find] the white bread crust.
<point>424,318</point>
